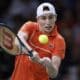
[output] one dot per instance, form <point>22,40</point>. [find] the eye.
<point>43,17</point>
<point>51,17</point>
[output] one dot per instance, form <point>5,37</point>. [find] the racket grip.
<point>31,53</point>
<point>27,51</point>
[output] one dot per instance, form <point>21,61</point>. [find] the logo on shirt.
<point>51,46</point>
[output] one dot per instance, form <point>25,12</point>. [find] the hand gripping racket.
<point>7,41</point>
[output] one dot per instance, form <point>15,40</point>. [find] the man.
<point>46,59</point>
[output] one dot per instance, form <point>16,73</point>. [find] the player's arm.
<point>52,65</point>
<point>24,37</point>
<point>24,34</point>
<point>55,64</point>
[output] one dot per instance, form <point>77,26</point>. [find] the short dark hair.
<point>45,8</point>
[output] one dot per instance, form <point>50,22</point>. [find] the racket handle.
<point>26,51</point>
<point>31,53</point>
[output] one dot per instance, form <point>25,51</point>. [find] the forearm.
<point>51,70</point>
<point>52,65</point>
<point>24,37</point>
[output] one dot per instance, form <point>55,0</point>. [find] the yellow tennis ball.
<point>43,39</point>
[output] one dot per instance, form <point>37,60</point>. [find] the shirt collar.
<point>53,33</point>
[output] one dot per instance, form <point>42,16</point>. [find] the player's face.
<point>46,22</point>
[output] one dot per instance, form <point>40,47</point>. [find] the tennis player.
<point>46,58</point>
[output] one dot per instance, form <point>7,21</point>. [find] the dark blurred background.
<point>16,12</point>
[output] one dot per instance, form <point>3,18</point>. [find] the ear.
<point>37,18</point>
<point>55,18</point>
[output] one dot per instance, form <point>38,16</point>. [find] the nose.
<point>47,21</point>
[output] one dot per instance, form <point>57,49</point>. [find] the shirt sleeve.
<point>27,27</point>
<point>59,47</point>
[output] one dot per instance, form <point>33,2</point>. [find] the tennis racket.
<point>7,41</point>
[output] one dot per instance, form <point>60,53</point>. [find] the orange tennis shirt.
<point>25,69</point>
